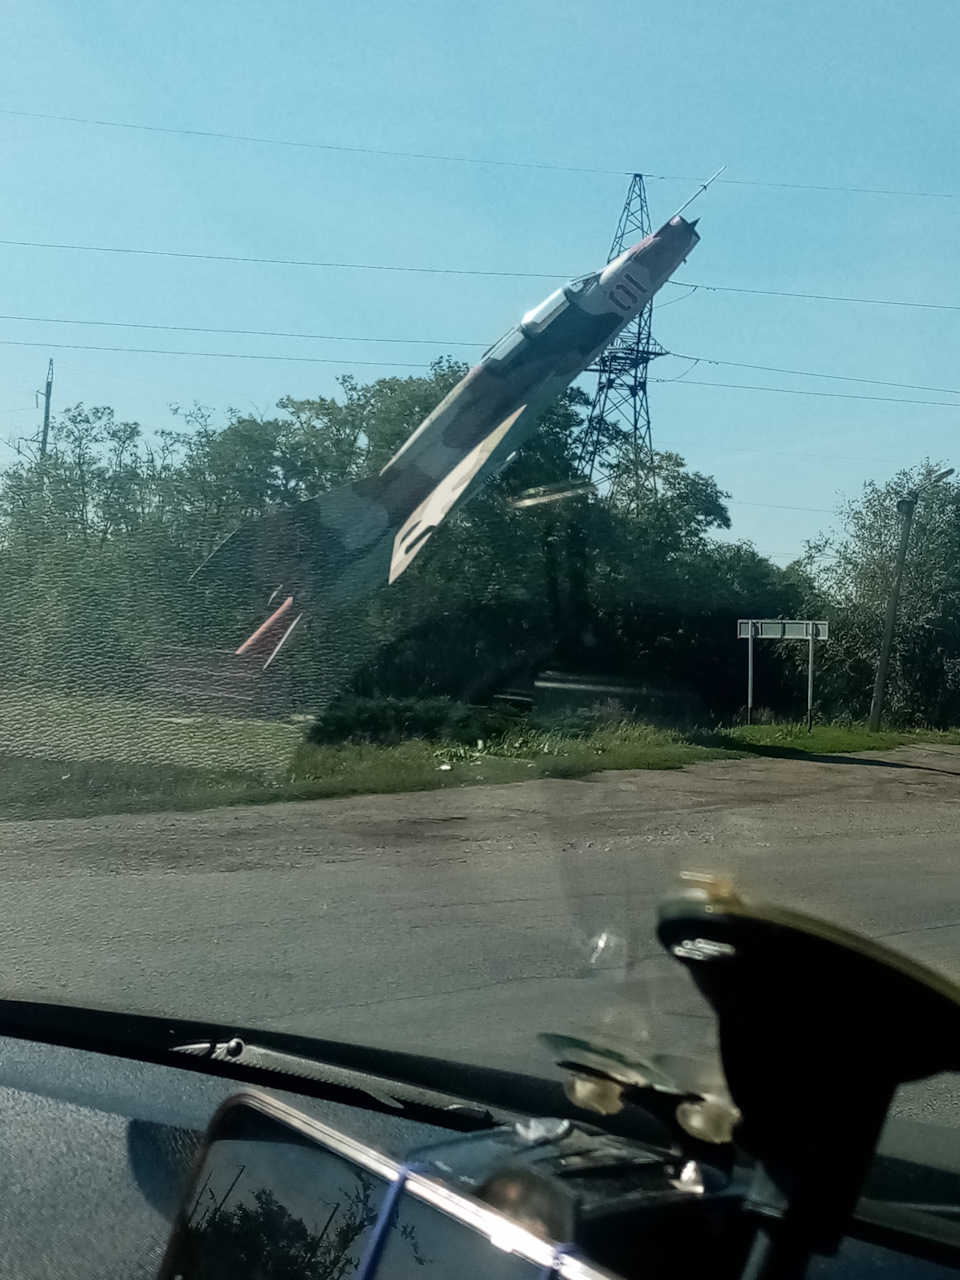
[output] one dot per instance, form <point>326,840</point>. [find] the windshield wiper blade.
<point>393,1096</point>
<point>438,1089</point>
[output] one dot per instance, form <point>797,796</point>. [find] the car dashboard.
<point>136,1146</point>
<point>99,1151</point>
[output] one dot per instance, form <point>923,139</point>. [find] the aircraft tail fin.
<point>344,543</point>
<point>326,550</point>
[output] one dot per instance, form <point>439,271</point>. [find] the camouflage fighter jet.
<point>341,545</point>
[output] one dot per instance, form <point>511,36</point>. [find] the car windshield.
<point>405,753</point>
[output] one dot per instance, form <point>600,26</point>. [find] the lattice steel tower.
<point>616,451</point>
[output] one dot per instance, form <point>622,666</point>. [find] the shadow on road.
<point>731,743</point>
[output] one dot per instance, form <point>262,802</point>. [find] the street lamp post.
<point>906,506</point>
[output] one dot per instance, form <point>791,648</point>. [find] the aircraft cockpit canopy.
<point>540,317</point>
<point>579,286</point>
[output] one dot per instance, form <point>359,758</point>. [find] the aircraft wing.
<point>472,471</point>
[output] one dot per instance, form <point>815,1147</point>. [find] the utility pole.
<point>48,392</point>
<point>906,506</point>
<point>616,448</point>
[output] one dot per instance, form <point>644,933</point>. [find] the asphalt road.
<point>463,922</point>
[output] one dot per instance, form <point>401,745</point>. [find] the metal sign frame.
<point>751,629</point>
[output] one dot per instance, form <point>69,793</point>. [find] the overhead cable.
<point>253,333</point>
<point>210,355</point>
<point>277,262</point>
<point>454,159</point>
<point>458,271</point>
<point>808,373</point>
<point>455,342</point>
<point>777,506</point>
<point>395,364</point>
<point>780,453</point>
<point>798,555</point>
<point>323,146</point>
<point>815,297</point>
<point>802,391</point>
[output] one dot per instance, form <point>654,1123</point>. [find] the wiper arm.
<point>256,1061</point>
<point>439,1091</point>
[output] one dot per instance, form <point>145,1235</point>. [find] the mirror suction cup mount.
<point>818,1028</point>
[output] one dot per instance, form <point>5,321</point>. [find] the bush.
<point>387,721</point>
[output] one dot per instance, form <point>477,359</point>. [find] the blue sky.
<point>852,95</point>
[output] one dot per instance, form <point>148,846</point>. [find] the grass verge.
<point>63,727</point>
<point>77,755</point>
<point>82,756</point>
<point>417,766</point>
<point>32,787</point>
<point>793,740</point>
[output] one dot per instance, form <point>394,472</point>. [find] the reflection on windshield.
<point>265,1207</point>
<point>439,821</point>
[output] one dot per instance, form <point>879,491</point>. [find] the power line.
<point>460,271</point>
<point>455,159</point>
<point>778,506</point>
<point>256,333</point>
<point>816,186</point>
<point>280,262</point>
<point>797,555</point>
<point>327,146</point>
<point>395,364</point>
<point>453,342</point>
<point>805,373</point>
<point>830,395</point>
<point>783,453</point>
<point>815,297</point>
<point>210,355</point>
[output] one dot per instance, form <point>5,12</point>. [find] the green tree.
<point>851,577</point>
<point>87,569</point>
<point>99,541</point>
